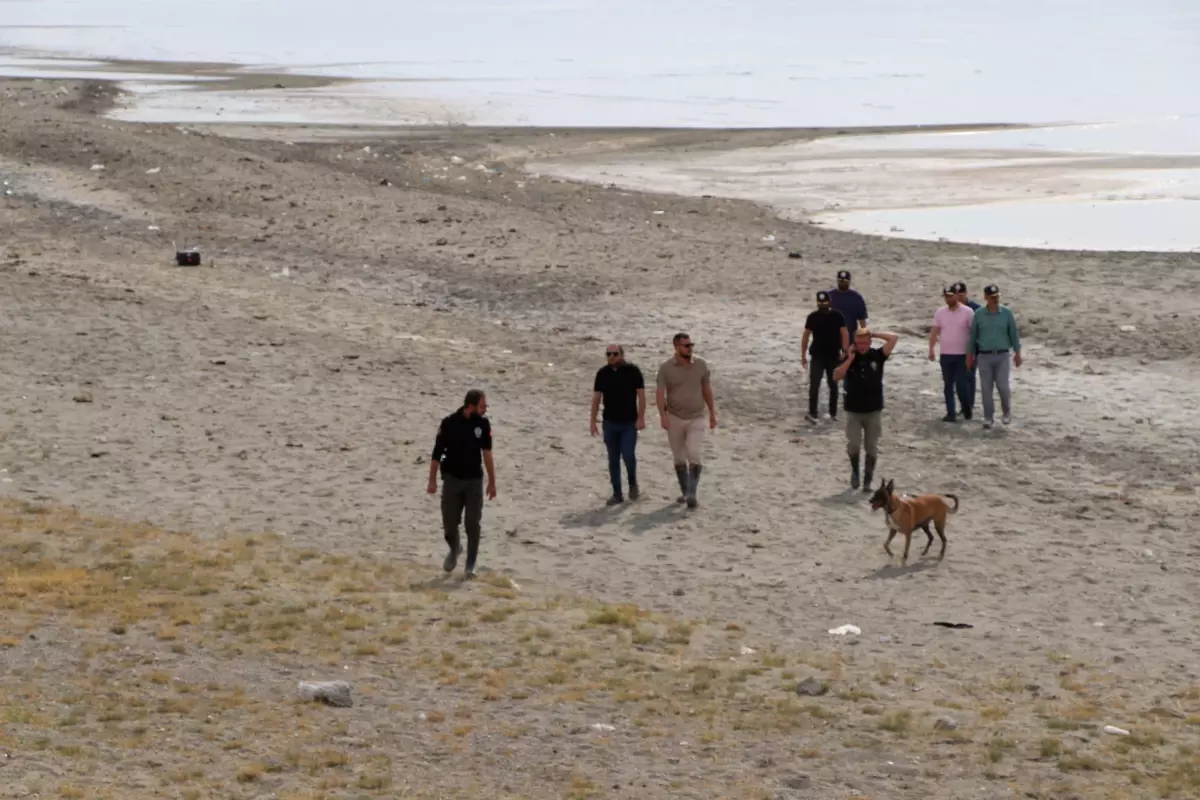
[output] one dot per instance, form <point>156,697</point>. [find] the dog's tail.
<point>953,497</point>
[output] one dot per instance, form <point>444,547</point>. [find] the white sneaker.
<point>987,424</point>
<point>1007,418</point>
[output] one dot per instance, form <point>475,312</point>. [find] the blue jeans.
<point>957,379</point>
<point>972,385</point>
<point>621,440</point>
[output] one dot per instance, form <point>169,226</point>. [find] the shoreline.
<point>858,179</point>
<point>348,297</point>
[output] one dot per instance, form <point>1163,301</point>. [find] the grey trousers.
<point>994,369</point>
<point>861,426</point>
<point>462,498</point>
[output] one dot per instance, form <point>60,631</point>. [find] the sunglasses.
<point>612,354</point>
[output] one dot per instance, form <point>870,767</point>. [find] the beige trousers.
<point>686,437</point>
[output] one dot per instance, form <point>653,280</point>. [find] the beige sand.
<point>350,297</point>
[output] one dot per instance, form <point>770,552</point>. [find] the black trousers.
<point>822,367</point>
<point>462,497</point>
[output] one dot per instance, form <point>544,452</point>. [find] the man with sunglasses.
<point>621,386</point>
<point>684,389</point>
<point>826,327</point>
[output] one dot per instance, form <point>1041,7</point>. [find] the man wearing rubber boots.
<point>684,389</point>
<point>862,385</point>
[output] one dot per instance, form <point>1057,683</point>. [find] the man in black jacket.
<point>462,448</point>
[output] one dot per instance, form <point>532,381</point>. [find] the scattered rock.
<point>811,687</point>
<point>892,768</point>
<point>83,397</point>
<point>946,724</point>
<point>798,782</point>
<point>442,242</point>
<point>795,254</point>
<point>331,693</point>
<point>1115,731</point>
<point>678,592</point>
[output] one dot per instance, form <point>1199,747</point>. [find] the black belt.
<point>992,352</point>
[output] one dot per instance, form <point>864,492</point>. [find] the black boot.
<point>868,473</point>
<point>681,472</point>
<point>854,471</point>
<point>693,483</point>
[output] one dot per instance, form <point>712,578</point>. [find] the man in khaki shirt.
<point>684,389</point>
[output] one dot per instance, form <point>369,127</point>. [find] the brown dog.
<point>905,514</point>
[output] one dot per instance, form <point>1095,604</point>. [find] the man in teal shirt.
<point>994,338</point>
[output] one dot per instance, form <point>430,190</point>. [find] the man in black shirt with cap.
<point>830,339</point>
<point>462,448</point>
<point>862,381</point>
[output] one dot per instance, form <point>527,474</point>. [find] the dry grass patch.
<point>187,653</point>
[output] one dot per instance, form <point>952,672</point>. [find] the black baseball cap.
<point>822,297</point>
<point>959,288</point>
<point>991,289</point>
<point>948,290</point>
<point>843,275</point>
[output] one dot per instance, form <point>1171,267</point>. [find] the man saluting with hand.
<point>462,448</point>
<point>862,380</point>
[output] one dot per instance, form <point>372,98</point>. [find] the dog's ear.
<point>890,485</point>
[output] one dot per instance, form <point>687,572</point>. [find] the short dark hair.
<point>679,337</point>
<point>473,397</point>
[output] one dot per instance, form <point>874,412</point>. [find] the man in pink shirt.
<point>952,329</point>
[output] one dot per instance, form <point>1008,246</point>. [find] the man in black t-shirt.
<point>830,338</point>
<point>621,386</point>
<point>462,449</point>
<point>862,381</point>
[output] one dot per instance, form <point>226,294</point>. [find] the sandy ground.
<point>350,296</point>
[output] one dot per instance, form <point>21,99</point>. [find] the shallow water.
<point>1069,188</point>
<point>1129,65</point>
